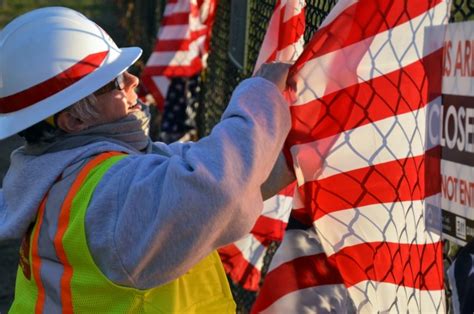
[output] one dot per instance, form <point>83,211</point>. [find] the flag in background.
<point>243,260</point>
<point>365,170</point>
<point>181,47</point>
<point>178,120</point>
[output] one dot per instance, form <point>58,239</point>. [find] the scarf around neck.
<point>131,131</point>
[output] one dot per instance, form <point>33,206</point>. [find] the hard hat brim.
<point>49,106</point>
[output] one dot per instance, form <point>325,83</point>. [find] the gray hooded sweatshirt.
<point>154,216</point>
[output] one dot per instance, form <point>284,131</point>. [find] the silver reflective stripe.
<point>51,268</point>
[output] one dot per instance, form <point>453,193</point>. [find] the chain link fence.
<point>462,10</point>
<point>222,76</point>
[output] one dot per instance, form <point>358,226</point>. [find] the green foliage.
<point>9,9</point>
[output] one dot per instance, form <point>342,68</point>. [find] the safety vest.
<point>75,284</point>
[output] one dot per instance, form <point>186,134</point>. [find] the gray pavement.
<point>9,249</point>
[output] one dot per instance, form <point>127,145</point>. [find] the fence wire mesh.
<point>222,76</point>
<point>462,10</point>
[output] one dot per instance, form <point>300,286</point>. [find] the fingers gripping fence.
<point>386,224</point>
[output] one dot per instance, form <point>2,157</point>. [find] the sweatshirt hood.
<point>34,169</point>
<point>30,177</point>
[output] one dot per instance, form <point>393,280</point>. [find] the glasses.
<point>118,83</point>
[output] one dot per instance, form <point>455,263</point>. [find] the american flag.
<point>243,260</point>
<point>182,45</point>
<point>301,279</point>
<point>284,39</point>
<point>366,172</point>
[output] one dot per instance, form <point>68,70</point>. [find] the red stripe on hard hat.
<point>52,86</point>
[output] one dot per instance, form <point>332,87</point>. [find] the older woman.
<point>110,221</point>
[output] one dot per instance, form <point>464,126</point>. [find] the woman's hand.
<point>275,72</point>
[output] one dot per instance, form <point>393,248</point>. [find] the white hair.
<point>85,109</point>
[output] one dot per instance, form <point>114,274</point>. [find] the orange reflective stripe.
<point>63,223</point>
<point>36,260</point>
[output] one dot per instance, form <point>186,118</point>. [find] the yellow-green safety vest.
<point>83,286</point>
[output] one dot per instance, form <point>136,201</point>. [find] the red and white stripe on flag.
<point>181,47</point>
<point>284,39</point>
<point>366,172</point>
<point>243,260</point>
<point>301,279</point>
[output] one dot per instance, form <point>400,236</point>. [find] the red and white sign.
<point>456,120</point>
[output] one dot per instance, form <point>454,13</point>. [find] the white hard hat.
<point>51,58</point>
